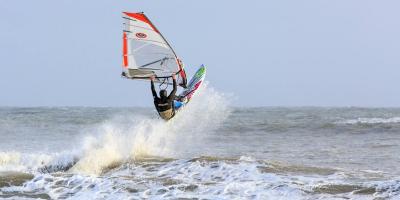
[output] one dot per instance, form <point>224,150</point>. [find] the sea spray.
<point>142,136</point>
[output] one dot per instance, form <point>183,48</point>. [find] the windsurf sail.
<point>146,52</point>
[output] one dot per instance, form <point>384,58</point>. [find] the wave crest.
<point>391,120</point>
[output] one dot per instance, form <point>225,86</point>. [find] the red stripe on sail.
<point>125,50</point>
<point>143,18</point>
<point>184,80</point>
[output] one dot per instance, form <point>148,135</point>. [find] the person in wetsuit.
<point>164,104</point>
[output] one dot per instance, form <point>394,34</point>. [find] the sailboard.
<point>194,84</point>
<point>147,53</point>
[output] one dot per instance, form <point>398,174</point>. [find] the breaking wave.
<point>372,121</point>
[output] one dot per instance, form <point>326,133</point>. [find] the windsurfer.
<point>164,104</point>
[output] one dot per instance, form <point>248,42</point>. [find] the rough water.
<point>209,151</point>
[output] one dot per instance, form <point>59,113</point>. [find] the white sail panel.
<point>146,52</point>
<point>137,30</point>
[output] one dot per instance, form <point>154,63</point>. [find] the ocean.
<point>210,150</point>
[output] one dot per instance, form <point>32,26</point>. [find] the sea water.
<point>210,150</point>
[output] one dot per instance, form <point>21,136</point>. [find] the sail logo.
<point>141,35</point>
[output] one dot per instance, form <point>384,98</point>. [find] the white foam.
<point>372,121</point>
<point>209,179</point>
<point>387,189</point>
<point>219,179</point>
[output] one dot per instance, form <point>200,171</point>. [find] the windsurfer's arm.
<point>153,90</point>
<point>172,95</point>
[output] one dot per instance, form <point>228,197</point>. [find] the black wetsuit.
<point>166,104</point>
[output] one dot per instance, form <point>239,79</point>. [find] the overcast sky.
<point>265,53</point>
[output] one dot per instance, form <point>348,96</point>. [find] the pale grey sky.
<point>266,53</point>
